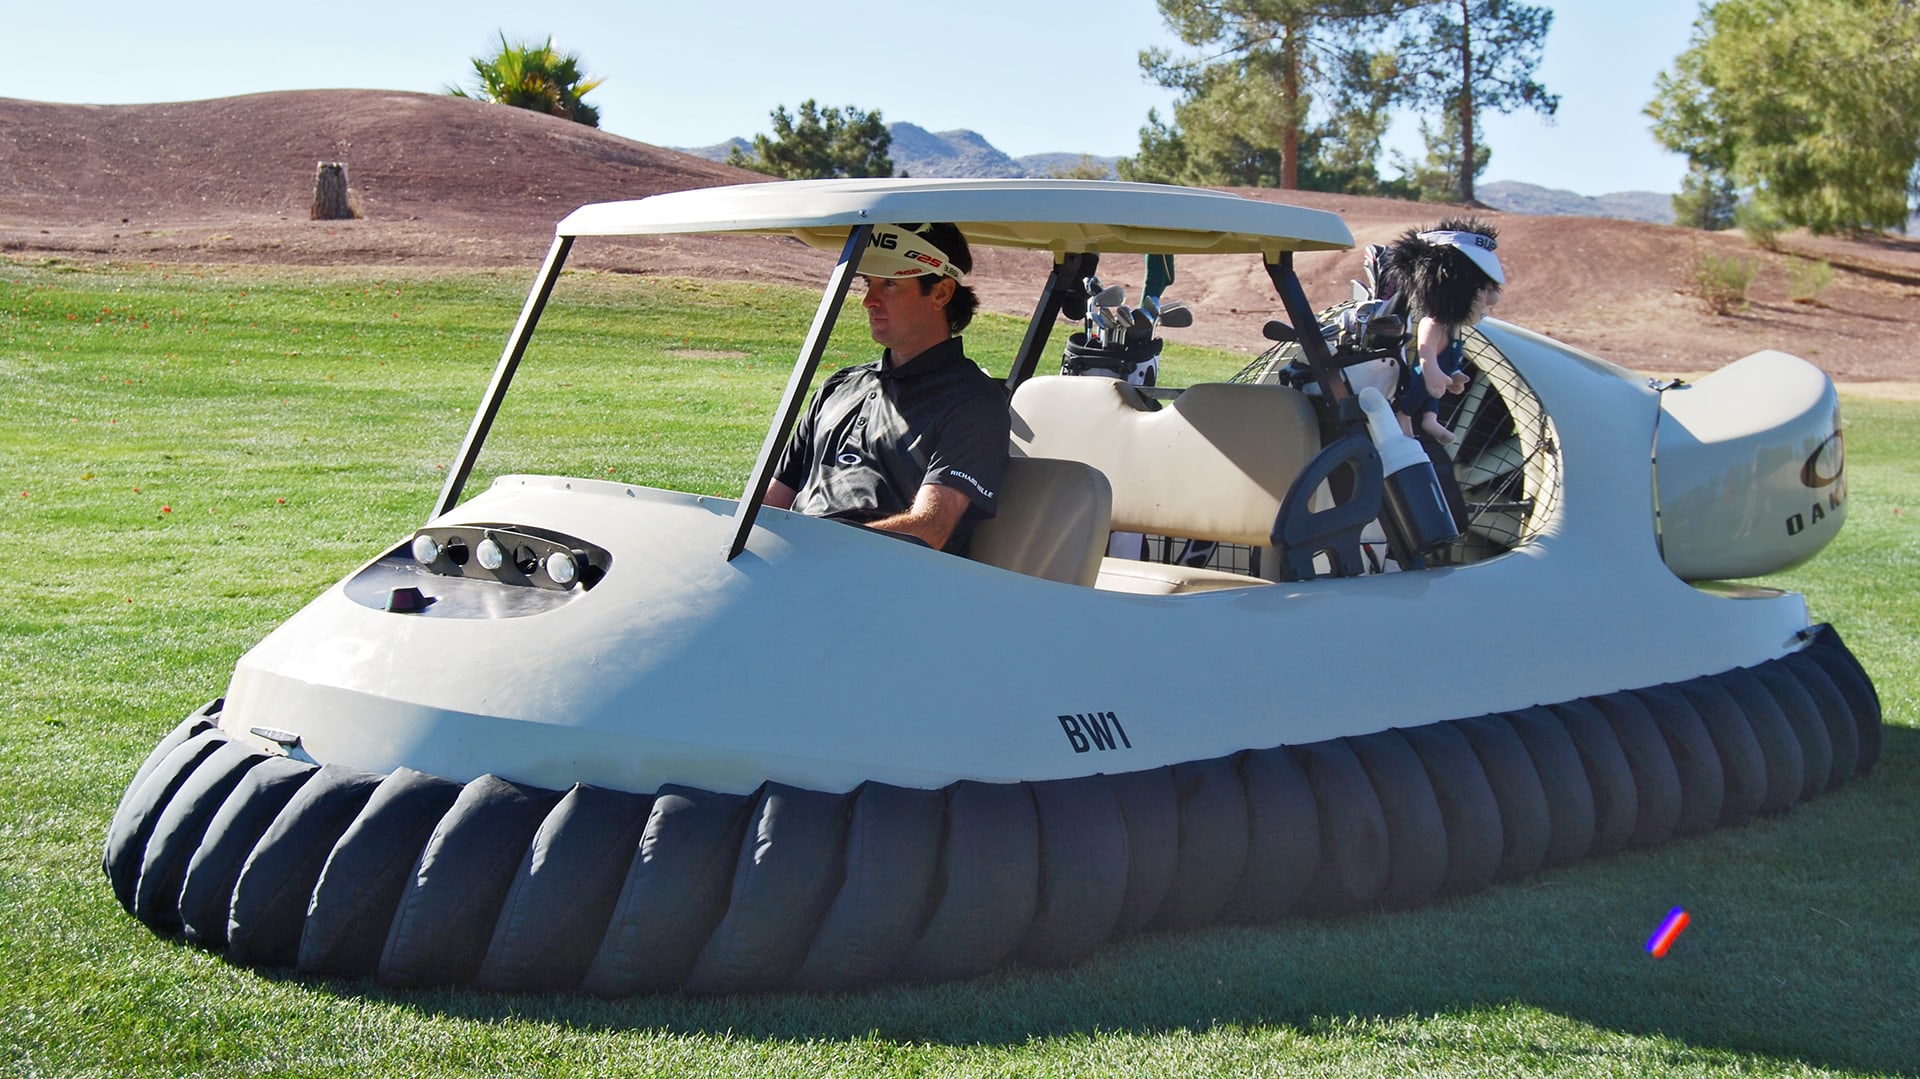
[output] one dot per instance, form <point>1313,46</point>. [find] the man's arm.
<point>780,496</point>
<point>935,513</point>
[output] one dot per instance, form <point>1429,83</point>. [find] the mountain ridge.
<point>966,154</point>
<point>959,154</point>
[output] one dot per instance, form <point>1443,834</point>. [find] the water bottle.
<point>1415,511</point>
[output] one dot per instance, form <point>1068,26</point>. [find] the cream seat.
<point>1213,464</point>
<point>1052,521</point>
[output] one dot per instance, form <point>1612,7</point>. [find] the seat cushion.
<point>1052,521</point>
<point>1162,579</point>
<point>1213,464</point>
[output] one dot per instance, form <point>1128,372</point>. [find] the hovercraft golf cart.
<point>577,734</point>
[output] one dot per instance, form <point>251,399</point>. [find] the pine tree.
<point>1810,108</point>
<point>1244,116</point>
<point>820,143</point>
<point>1466,57</point>
<point>1706,200</point>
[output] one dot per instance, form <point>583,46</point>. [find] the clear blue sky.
<point>1029,76</point>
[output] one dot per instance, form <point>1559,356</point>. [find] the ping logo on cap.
<point>898,251</point>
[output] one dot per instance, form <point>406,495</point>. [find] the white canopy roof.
<point>1057,215</point>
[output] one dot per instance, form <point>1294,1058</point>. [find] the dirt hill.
<point>446,182</point>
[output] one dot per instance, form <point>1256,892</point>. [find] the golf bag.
<point>1135,359</point>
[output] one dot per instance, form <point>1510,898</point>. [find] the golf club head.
<point>1111,296</point>
<point>1175,315</point>
<point>1352,325</point>
<point>1075,299</point>
<point>1386,326</point>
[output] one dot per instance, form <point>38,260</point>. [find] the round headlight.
<point>561,568</point>
<point>491,555</point>
<point>426,549</point>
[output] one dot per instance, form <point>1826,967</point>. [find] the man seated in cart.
<point>915,442</point>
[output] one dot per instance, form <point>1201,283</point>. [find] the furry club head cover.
<point>1440,269</point>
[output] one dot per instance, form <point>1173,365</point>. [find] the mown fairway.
<point>190,456</point>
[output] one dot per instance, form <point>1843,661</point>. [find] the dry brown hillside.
<point>443,181</point>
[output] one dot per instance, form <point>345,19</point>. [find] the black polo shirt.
<point>874,434</point>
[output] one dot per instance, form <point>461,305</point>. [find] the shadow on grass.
<point>1804,946</point>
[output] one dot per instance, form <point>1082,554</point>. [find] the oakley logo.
<point>848,459</point>
<point>1826,464</point>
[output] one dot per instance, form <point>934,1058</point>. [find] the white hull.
<point>807,659</point>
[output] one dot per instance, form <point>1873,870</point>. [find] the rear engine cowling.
<point>1749,469</point>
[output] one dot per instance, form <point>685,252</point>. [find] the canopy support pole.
<point>796,393</point>
<point>1066,276</point>
<point>503,374</point>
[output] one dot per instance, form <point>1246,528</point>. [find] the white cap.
<point>1476,246</point>
<point>897,251</point>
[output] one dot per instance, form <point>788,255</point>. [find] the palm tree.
<point>529,76</point>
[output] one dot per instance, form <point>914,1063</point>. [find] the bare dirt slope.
<point>446,182</point>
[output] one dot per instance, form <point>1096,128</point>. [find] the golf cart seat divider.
<point>1052,522</point>
<point>1212,464</point>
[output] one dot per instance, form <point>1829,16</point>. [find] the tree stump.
<point>330,192</point>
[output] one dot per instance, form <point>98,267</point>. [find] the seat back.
<point>1051,522</point>
<point>1213,464</point>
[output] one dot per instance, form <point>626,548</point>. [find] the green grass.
<point>190,457</point>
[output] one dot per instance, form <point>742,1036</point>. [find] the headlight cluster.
<point>511,554</point>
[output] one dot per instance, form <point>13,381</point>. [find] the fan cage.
<point>1506,459</point>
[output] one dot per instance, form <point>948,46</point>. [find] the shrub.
<point>536,77</point>
<point>1806,277</point>
<point>1723,282</point>
<point>1762,227</point>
